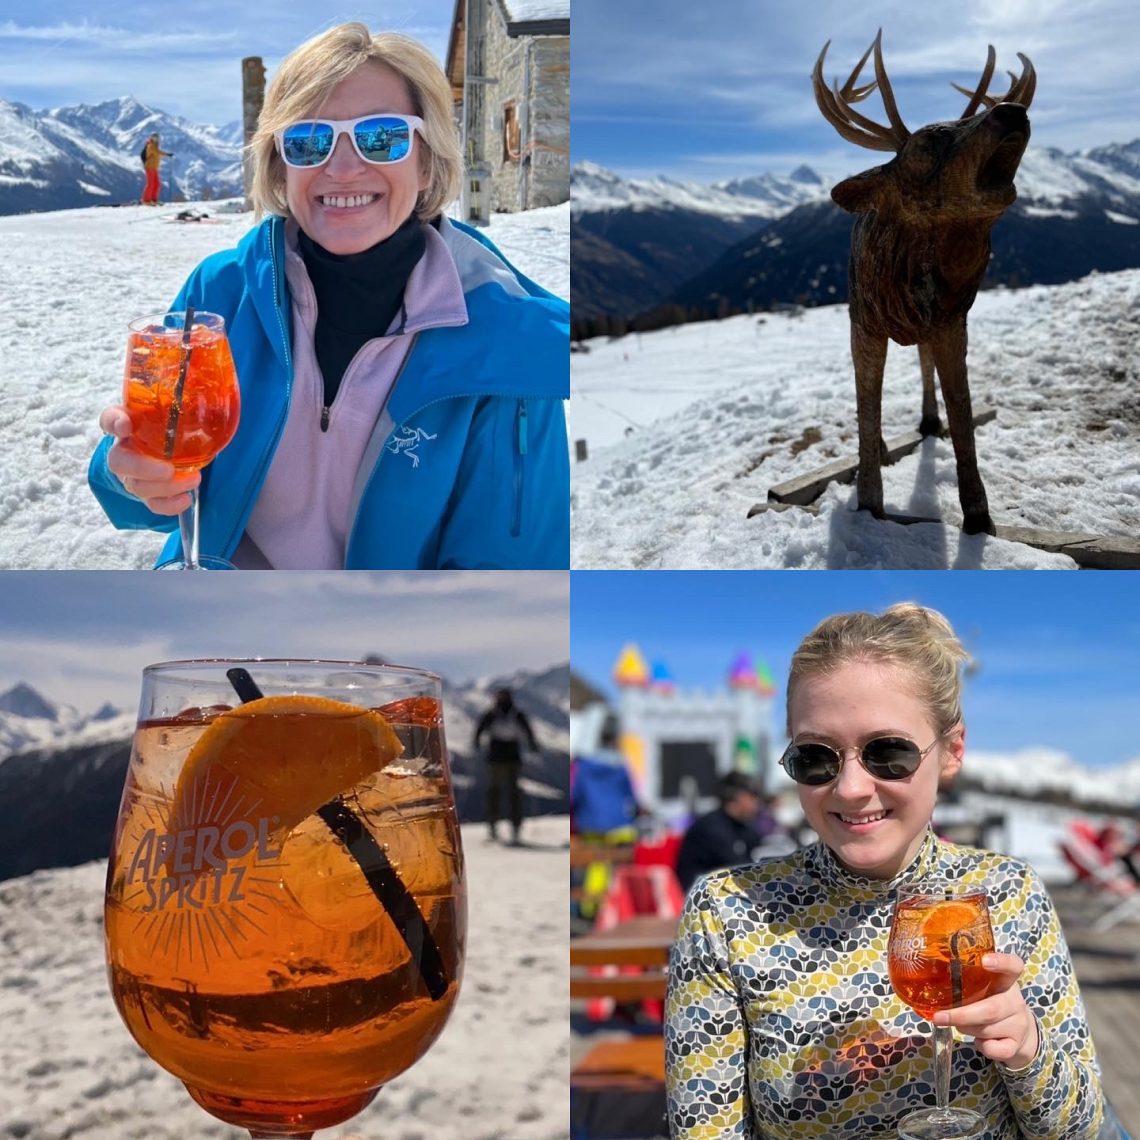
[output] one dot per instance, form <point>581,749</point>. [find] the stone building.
<point>509,66</point>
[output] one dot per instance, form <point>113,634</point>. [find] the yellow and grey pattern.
<point>781,1023</point>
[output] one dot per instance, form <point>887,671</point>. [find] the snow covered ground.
<point>687,428</point>
<point>70,282</point>
<point>499,1071</point>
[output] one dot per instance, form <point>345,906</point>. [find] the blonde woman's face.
<point>873,827</point>
<point>348,205</point>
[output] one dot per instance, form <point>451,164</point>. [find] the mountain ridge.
<point>1078,212</point>
<point>85,155</point>
<point>66,788</point>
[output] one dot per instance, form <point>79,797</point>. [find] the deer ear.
<point>859,193</point>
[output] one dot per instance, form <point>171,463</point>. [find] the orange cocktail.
<point>936,950</point>
<point>285,913</point>
<point>934,958</point>
<point>181,392</point>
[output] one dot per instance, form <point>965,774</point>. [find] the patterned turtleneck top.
<point>781,1023</point>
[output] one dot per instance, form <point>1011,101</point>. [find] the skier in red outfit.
<point>152,157</point>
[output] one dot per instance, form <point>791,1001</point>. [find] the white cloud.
<point>84,638</point>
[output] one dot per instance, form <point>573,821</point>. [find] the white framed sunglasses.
<point>380,139</point>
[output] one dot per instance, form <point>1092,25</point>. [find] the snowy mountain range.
<point>594,190</point>
<point>89,155</point>
<point>62,773</point>
<point>30,721</point>
<point>1044,773</point>
<point>643,243</point>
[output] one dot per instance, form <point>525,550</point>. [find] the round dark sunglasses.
<point>885,757</point>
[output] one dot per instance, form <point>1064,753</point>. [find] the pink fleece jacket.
<point>300,520</point>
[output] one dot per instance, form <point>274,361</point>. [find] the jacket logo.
<point>408,442</point>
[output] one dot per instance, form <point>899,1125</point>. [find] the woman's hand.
<point>1002,1025</point>
<point>156,482</point>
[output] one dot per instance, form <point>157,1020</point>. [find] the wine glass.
<point>934,957</point>
<point>181,393</point>
<point>286,906</point>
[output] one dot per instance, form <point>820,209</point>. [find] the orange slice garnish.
<point>278,759</point>
<point>947,918</point>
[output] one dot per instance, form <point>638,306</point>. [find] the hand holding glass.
<point>934,958</point>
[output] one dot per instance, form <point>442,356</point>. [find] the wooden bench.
<point>618,1087</point>
<point>583,853</point>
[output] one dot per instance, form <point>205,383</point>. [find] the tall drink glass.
<point>286,909</point>
<point>181,393</point>
<point>934,958</point>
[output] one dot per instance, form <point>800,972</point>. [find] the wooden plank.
<point>583,854</point>
<point>1089,551</point>
<point>616,952</point>
<point>633,1061</point>
<point>647,986</point>
<point>807,488</point>
<point>1114,552</point>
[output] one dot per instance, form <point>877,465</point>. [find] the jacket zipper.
<point>520,452</point>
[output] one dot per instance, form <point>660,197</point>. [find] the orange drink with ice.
<point>180,393</point>
<point>285,912</point>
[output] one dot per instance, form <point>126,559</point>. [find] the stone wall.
<point>531,166</point>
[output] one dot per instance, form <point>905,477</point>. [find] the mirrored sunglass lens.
<point>384,138</point>
<point>891,758</point>
<point>812,764</point>
<point>306,144</point>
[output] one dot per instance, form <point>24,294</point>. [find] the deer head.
<point>958,170</point>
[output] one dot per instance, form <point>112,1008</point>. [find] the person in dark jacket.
<point>507,728</point>
<point>725,836</point>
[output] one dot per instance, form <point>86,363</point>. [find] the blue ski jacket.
<point>488,395</point>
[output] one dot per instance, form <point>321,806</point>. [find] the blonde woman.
<point>780,1020</point>
<point>401,382</point>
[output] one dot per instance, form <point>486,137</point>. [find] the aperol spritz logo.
<point>200,866</point>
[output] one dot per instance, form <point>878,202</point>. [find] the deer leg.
<point>870,356</point>
<point>949,351</point>
<point>930,424</point>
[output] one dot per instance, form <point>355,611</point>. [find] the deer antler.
<point>1020,90</point>
<point>835,103</point>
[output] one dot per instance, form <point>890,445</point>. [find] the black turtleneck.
<point>358,295</point>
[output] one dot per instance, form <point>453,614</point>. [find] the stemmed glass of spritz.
<point>934,957</point>
<point>181,393</point>
<point>286,908</point>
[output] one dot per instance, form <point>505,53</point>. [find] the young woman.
<point>401,382</point>
<point>781,1021</point>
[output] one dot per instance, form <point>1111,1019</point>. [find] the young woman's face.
<point>873,827</point>
<point>348,205</point>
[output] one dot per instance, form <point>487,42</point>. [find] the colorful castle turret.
<point>676,740</point>
<point>630,668</point>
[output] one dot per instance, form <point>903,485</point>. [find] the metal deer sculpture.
<point>919,249</point>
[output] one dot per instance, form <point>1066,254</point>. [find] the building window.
<point>511,152</point>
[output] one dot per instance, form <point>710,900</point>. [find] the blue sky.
<point>722,89</point>
<point>1058,655</point>
<point>83,638</point>
<point>181,58</point>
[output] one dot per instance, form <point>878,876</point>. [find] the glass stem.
<point>188,525</point>
<point>943,1052</point>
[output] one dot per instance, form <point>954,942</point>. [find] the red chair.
<point>635,890</point>
<point>1092,854</point>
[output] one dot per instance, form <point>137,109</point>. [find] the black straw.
<point>176,403</point>
<point>955,970</point>
<point>378,871</point>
